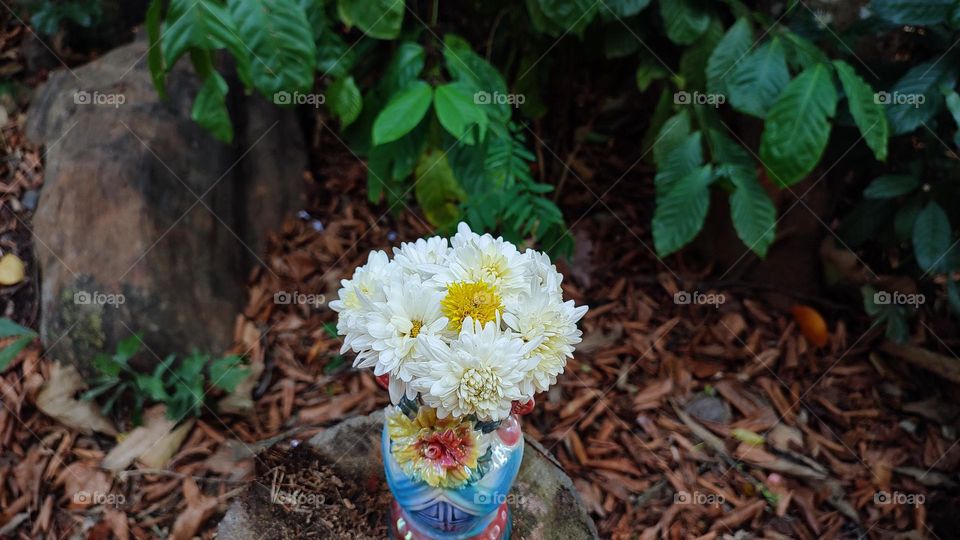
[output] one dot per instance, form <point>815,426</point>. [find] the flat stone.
<point>545,504</point>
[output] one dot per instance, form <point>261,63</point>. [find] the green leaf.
<point>8,328</point>
<point>648,71</point>
<point>283,53</point>
<point>128,347</point>
<point>953,296</point>
<point>404,68</point>
<point>152,387</point>
<point>674,132</point>
<point>932,238</point>
<point>571,16</point>
<point>681,212</point>
<point>906,216</point>
<point>227,372</point>
<point>106,365</point>
<point>915,99</point>
<point>155,50</point>
<point>753,213</point>
<point>99,389</point>
<point>437,189</point>
<point>201,24</point>
<point>890,186</point>
<point>625,8</point>
<point>380,19</point>
<point>732,48</point>
<point>684,158</point>
<point>344,100</point>
<point>801,52</point>
<point>758,79</point>
<point>210,108</point>
<point>797,126</point>
<point>402,113</point>
<point>476,75</point>
<point>912,12</point>
<point>458,113</point>
<point>693,61</point>
<point>867,113</point>
<point>953,105</point>
<point>8,353</point>
<point>684,20</point>
<point>662,112</point>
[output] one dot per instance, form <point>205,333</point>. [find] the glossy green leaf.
<point>758,79</point>
<point>210,108</point>
<point>625,8</point>
<point>682,159</point>
<point>402,113</point>
<point>380,19</point>
<point>728,53</point>
<point>684,20</point>
<point>867,113</point>
<point>752,211</point>
<point>459,113</point>
<point>912,12</point>
<point>681,212</point>
<point>8,353</point>
<point>344,100</point>
<point>283,54</point>
<point>8,328</point>
<point>155,50</point>
<point>477,76</point>
<point>932,238</point>
<point>916,98</point>
<point>202,24</point>
<point>571,16</point>
<point>797,126</point>
<point>675,131</point>
<point>889,186</point>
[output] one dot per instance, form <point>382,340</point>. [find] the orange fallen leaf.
<point>811,324</point>
<point>199,509</point>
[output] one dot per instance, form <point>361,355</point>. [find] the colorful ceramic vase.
<point>450,477</point>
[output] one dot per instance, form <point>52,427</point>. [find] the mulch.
<point>674,421</point>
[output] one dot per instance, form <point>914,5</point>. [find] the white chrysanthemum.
<point>425,257</point>
<point>411,312</point>
<point>540,316</point>
<point>478,373</point>
<point>359,296</point>
<point>485,259</point>
<point>541,266</point>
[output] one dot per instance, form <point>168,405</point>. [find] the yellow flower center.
<point>477,300</point>
<point>478,386</point>
<point>415,329</point>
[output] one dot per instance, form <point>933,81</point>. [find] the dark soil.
<point>302,495</point>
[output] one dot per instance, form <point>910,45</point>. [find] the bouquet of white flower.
<point>471,326</point>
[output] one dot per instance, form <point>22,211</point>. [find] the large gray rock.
<point>546,505</point>
<point>140,201</point>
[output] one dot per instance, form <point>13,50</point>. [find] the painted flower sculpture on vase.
<point>462,334</point>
